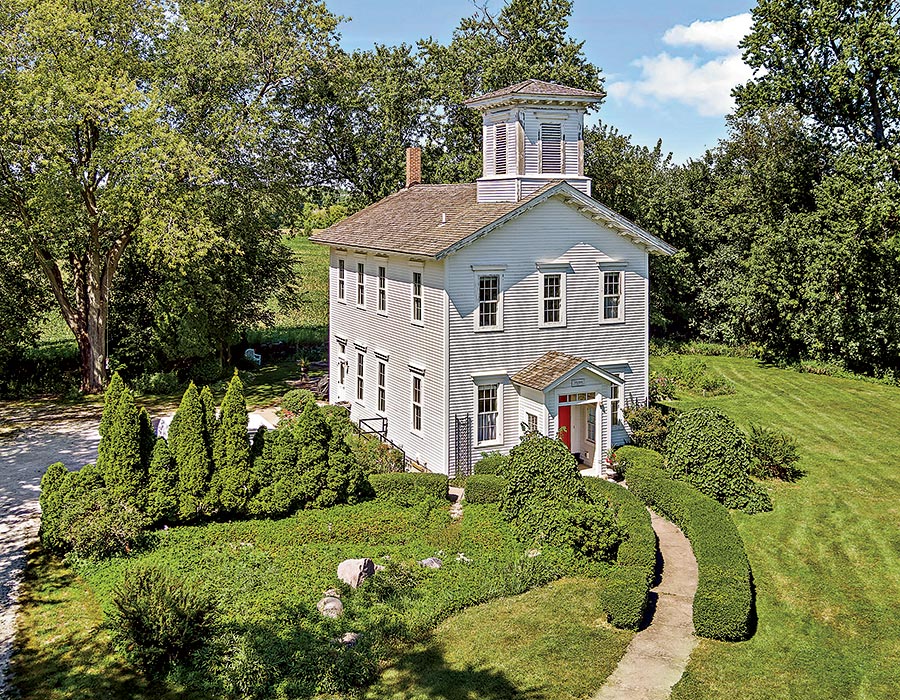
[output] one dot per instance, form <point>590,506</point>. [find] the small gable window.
<point>551,148</point>
<point>500,147</point>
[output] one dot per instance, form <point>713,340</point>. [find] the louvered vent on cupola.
<point>500,147</point>
<point>551,148</point>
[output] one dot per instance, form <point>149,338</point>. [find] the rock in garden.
<point>532,553</point>
<point>350,638</point>
<point>332,593</point>
<point>354,571</point>
<point>330,606</point>
<point>432,563</point>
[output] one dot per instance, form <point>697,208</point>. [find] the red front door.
<point>565,425</point>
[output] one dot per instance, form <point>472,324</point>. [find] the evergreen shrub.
<point>162,490</point>
<point>773,454</point>
<point>491,463</point>
<point>190,445</point>
<point>232,479</point>
<point>629,455</point>
<point>723,603</point>
<point>706,449</point>
<point>485,488</point>
<point>648,426</point>
<point>407,488</point>
<point>294,401</point>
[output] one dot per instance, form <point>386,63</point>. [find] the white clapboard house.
<point>462,316</point>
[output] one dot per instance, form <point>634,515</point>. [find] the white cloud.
<point>704,84</point>
<point>712,35</point>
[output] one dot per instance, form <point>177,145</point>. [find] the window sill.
<point>488,329</point>
<point>382,313</point>
<point>552,325</point>
<point>417,433</point>
<point>611,321</point>
<point>492,443</point>
<point>418,324</point>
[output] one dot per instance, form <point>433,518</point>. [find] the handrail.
<point>365,426</point>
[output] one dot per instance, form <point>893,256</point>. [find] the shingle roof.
<point>412,220</point>
<point>547,369</point>
<point>537,87</point>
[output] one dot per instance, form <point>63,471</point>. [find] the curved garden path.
<point>30,439</point>
<point>657,656</point>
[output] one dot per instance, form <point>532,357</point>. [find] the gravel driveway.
<point>31,438</point>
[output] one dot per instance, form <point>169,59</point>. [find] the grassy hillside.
<point>826,562</point>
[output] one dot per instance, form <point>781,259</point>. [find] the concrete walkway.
<point>656,658</point>
<point>29,441</point>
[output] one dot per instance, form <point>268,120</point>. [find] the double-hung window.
<point>382,289</point>
<point>382,386</point>
<point>489,302</point>
<point>591,423</point>
<point>360,376</point>
<point>614,404</point>
<point>342,280</point>
<point>417,403</point>
<point>530,424</point>
<point>361,284</point>
<point>551,148</point>
<point>417,297</point>
<point>612,301</point>
<point>488,401</point>
<point>500,149</point>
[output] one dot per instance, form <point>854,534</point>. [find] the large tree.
<point>131,122</point>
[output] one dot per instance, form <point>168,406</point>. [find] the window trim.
<point>590,436</point>
<point>476,320</point>
<point>381,384</point>
<point>360,377</point>
<point>360,284</point>
<point>498,386</point>
<point>525,424</point>
<point>417,270</point>
<point>381,304</point>
<point>416,377</point>
<point>342,280</point>
<point>542,299</point>
<point>620,318</point>
<point>615,416</point>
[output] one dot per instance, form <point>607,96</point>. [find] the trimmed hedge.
<point>485,488</point>
<point>624,599</point>
<point>724,600</point>
<point>408,488</point>
<point>629,455</point>
<point>492,463</point>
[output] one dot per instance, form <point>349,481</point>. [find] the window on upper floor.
<point>551,148</point>
<point>417,316</point>
<point>612,298</point>
<point>382,289</point>
<point>489,302</point>
<point>500,149</point>
<point>342,280</point>
<point>361,284</point>
<point>553,299</point>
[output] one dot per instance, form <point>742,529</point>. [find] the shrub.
<point>773,454</point>
<point>97,525</point>
<point>590,529</point>
<point>624,598</point>
<point>661,388</point>
<point>189,443</point>
<point>409,489</point>
<point>492,463</point>
<point>724,599</point>
<point>293,402</point>
<point>485,488</point>
<point>231,481</point>
<point>706,449</point>
<point>157,383</point>
<point>119,455</point>
<point>629,455</point>
<point>162,496</point>
<point>648,426</point>
<point>376,457</point>
<point>159,622</point>
<point>52,504</point>
<point>110,400</point>
<point>693,373</point>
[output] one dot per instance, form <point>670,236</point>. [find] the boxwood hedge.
<point>408,488</point>
<point>629,455</point>
<point>724,600</point>
<point>485,488</point>
<point>624,599</point>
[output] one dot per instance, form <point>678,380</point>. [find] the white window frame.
<point>360,392</point>
<point>381,383</point>
<point>342,280</point>
<point>501,128</point>
<point>382,290</point>
<point>559,146</point>
<point>343,365</point>
<point>482,271</point>
<point>360,284</point>
<point>528,425</point>
<point>416,378</point>
<point>604,271</point>
<point>545,272</point>
<point>414,297</point>
<point>615,405</point>
<point>498,386</point>
<point>590,435</point>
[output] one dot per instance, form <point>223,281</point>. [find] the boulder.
<point>350,638</point>
<point>432,563</point>
<point>330,606</point>
<point>532,553</point>
<point>354,571</point>
<point>332,593</point>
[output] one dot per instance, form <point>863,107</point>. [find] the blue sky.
<point>669,66</point>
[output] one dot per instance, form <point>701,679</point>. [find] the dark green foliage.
<point>159,622</point>
<point>52,504</point>
<point>629,455</point>
<point>590,529</point>
<point>313,439</point>
<point>491,463</point>
<point>409,488</point>
<point>97,524</point>
<point>485,488</point>
<point>338,420</point>
<point>121,455</point>
<point>625,597</point>
<point>110,401</point>
<point>296,400</point>
<point>376,457</point>
<point>275,471</point>
<point>773,454</point>
<point>724,600</point>
<point>189,445</point>
<point>649,426</point>
<point>210,418</point>
<point>162,491</point>
<point>232,479</point>
<point>147,438</point>
<point>706,449</point>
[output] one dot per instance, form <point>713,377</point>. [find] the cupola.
<point>532,134</point>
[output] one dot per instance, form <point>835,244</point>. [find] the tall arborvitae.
<point>162,500</point>
<point>313,436</point>
<point>52,503</point>
<point>119,453</point>
<point>110,401</point>
<point>188,443</point>
<point>231,452</point>
<point>210,421</point>
<point>276,473</point>
<point>147,438</point>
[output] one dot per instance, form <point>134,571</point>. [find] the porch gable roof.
<point>552,368</point>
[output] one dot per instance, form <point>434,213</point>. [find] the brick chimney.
<point>413,166</point>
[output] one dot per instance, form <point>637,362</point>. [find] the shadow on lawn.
<point>424,673</point>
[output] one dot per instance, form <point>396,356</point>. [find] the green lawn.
<point>826,561</point>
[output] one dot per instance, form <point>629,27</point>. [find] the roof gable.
<point>553,368</point>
